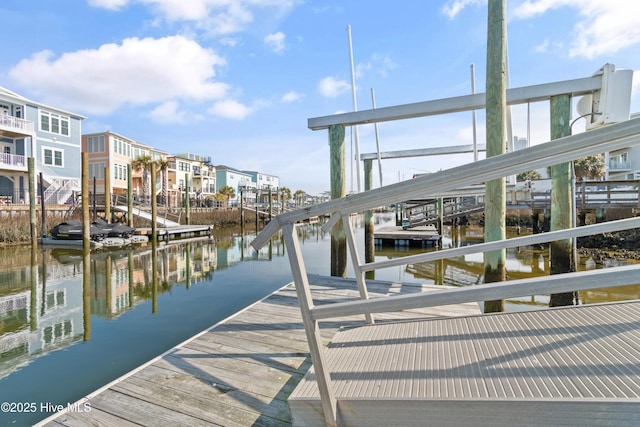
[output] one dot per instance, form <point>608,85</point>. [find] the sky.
<point>237,80</point>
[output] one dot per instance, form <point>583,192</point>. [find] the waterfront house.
<point>623,164</point>
<point>266,186</point>
<point>51,136</point>
<point>264,181</point>
<point>116,152</point>
<point>236,179</point>
<point>195,171</point>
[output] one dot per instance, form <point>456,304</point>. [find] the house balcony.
<point>619,166</point>
<point>14,127</point>
<point>13,162</point>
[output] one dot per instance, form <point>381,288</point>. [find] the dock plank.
<point>241,371</point>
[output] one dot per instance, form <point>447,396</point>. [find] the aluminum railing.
<point>560,150</point>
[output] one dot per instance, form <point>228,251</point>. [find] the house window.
<point>52,157</point>
<point>54,123</point>
<point>95,144</point>
<point>96,170</point>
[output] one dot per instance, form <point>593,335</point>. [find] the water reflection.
<point>48,298</point>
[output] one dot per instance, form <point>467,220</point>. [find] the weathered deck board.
<point>240,372</point>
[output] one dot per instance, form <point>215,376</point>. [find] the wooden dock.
<point>393,235</point>
<point>241,371</point>
<point>179,232</point>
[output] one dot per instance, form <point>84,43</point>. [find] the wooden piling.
<point>496,105</point>
<point>337,155</point>
<point>369,241</point>
<point>107,195</point>
<point>86,216</point>
<point>187,205</point>
<point>154,204</point>
<point>561,251</point>
<point>32,202</point>
<point>129,196</point>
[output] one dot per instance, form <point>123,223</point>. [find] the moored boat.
<point>117,229</point>
<point>72,230</point>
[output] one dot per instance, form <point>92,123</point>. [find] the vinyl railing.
<point>561,150</point>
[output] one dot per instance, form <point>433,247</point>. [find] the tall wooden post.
<point>43,215</point>
<point>187,205</point>
<point>270,204</point>
<point>154,203</point>
<point>129,196</point>
<point>369,242</point>
<point>496,104</point>
<point>337,155</point>
<point>33,221</point>
<point>440,220</point>
<point>107,194</point>
<point>561,251</point>
<point>241,208</point>
<point>86,213</point>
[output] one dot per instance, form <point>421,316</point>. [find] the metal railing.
<point>560,150</point>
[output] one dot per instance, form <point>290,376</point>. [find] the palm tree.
<point>528,175</point>
<point>163,166</point>
<point>299,196</point>
<point>590,167</point>
<point>143,163</point>
<point>226,193</point>
<point>286,195</point>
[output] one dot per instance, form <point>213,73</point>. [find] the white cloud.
<point>230,41</point>
<point>167,113</point>
<point>330,87</point>
<point>275,41</point>
<point>362,68</point>
<point>136,72</point>
<point>542,47</point>
<point>291,96</point>
<point>109,4</point>
<point>604,27</point>
<point>230,109</point>
<point>218,17</point>
<point>452,7</point>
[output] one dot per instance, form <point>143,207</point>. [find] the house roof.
<point>10,94</point>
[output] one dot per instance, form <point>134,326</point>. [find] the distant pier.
<point>395,235</point>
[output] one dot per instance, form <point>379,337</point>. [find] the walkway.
<point>241,371</point>
<point>163,222</point>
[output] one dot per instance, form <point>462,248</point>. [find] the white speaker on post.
<point>612,102</point>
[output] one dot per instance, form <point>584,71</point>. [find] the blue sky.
<point>237,79</point>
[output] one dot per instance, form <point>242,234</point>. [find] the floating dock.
<point>393,235</point>
<point>179,232</point>
<point>142,235</point>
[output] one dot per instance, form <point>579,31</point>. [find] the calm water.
<point>64,334</point>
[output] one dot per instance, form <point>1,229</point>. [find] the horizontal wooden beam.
<point>520,95</point>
